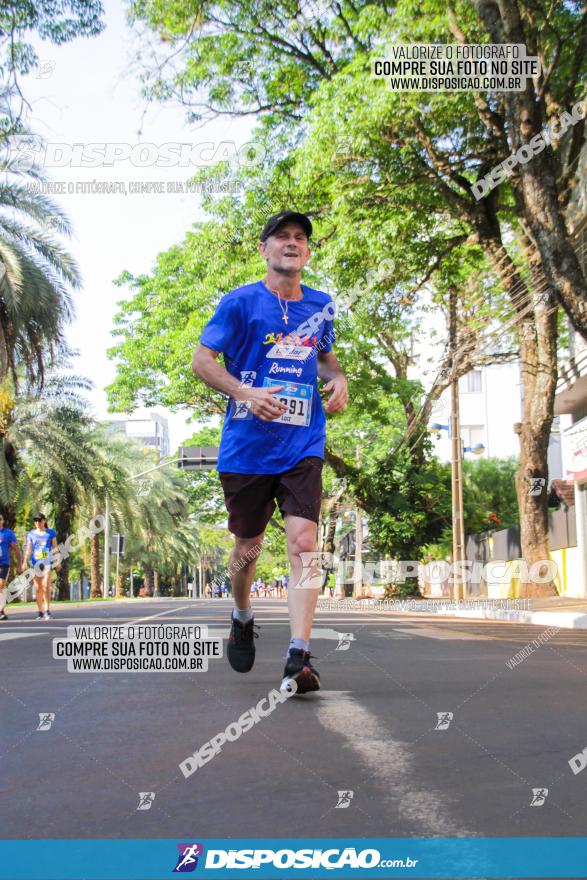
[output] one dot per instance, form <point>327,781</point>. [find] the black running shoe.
<point>48,615</point>
<point>40,616</point>
<point>300,669</point>
<point>241,645</point>
<point>3,616</point>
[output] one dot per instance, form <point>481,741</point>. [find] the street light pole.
<point>357,574</point>
<point>458,524</point>
<point>117,566</point>
<point>107,548</point>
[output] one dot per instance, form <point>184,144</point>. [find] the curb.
<point>562,619</point>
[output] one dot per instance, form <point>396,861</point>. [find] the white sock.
<point>243,615</point>
<point>299,643</point>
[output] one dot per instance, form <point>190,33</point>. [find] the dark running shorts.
<point>4,572</point>
<point>249,498</point>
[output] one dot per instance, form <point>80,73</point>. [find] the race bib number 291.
<point>297,398</point>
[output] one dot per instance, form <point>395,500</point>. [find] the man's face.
<point>286,250</point>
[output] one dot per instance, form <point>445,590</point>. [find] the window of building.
<point>474,382</point>
<point>472,434</point>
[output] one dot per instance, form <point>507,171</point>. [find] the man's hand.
<point>263,403</point>
<point>339,399</point>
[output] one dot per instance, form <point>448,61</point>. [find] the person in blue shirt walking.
<point>39,544</point>
<point>276,336</point>
<point>8,543</point>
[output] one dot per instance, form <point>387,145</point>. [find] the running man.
<point>8,543</point>
<point>39,544</point>
<point>276,337</point>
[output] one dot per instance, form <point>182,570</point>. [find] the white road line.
<point>161,614</point>
<point>426,632</point>
<point>5,637</point>
<point>389,761</point>
<point>390,635</point>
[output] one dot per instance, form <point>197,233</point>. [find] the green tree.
<point>277,62</point>
<point>36,278</point>
<point>402,184</point>
<point>56,21</point>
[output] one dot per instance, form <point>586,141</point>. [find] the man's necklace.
<point>283,311</point>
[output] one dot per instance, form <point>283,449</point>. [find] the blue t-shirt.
<point>41,543</point>
<point>7,538</point>
<point>261,350</point>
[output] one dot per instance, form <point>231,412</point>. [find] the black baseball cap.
<point>39,516</point>
<point>277,220</point>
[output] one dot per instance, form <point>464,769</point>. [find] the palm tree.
<point>148,512</point>
<point>46,452</point>
<point>36,274</point>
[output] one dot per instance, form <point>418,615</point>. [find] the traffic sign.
<point>117,545</point>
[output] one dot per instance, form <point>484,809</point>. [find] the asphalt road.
<point>371,730</point>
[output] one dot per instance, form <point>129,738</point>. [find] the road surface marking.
<point>450,634</point>
<point>389,761</point>
<point>5,637</point>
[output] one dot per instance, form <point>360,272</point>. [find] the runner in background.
<point>331,584</point>
<point>39,544</point>
<point>276,580</point>
<point>8,544</point>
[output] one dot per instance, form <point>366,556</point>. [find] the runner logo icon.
<point>187,860</point>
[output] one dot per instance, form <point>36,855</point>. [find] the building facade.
<point>149,428</point>
<point>490,404</point>
<point>571,391</point>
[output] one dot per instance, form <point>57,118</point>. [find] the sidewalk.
<point>552,611</point>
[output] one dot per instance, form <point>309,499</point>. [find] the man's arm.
<point>16,551</point>
<point>207,368</point>
<point>328,366</point>
<point>330,370</point>
<point>54,546</point>
<point>263,403</point>
<point>27,552</point>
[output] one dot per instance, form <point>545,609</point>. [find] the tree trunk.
<point>120,591</point>
<point>536,181</point>
<point>539,377</point>
<point>8,507</point>
<point>147,582</point>
<point>64,519</point>
<point>545,223</point>
<point>155,582</point>
<point>95,589</point>
<point>537,330</point>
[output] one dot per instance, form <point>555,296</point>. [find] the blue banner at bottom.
<point>307,859</point>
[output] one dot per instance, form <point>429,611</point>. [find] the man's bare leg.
<point>240,650</point>
<point>242,565</point>
<point>306,579</point>
<point>302,595</point>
